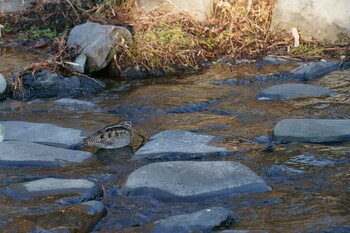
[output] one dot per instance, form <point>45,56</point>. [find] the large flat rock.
<point>178,144</point>
<point>293,90</point>
<point>312,130</point>
<point>83,189</point>
<point>193,180</point>
<point>200,221</point>
<point>17,153</point>
<point>41,132</point>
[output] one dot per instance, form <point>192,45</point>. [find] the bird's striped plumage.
<point>113,136</point>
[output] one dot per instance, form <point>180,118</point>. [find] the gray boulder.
<point>292,90</point>
<point>200,221</point>
<point>98,42</point>
<point>312,130</point>
<point>3,86</point>
<point>313,70</point>
<point>319,19</point>
<point>45,84</point>
<point>191,180</point>
<point>82,189</point>
<point>41,132</point>
<point>17,153</point>
<point>15,5</point>
<point>200,10</point>
<point>178,144</point>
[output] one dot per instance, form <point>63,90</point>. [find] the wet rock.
<point>3,86</point>
<point>76,218</point>
<point>201,221</point>
<point>82,189</point>
<point>312,130</point>
<point>98,42</point>
<point>272,60</point>
<point>41,132</point>
<point>2,133</point>
<point>284,76</point>
<point>178,144</point>
<point>233,82</point>
<point>75,102</point>
<point>292,90</point>
<point>193,107</point>
<point>45,84</point>
<point>313,70</point>
<point>17,153</point>
<point>314,20</point>
<point>189,180</point>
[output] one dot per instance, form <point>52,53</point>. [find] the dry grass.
<point>237,29</point>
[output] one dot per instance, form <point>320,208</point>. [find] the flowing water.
<point>310,182</point>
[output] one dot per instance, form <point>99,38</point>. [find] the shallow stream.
<point>310,182</point>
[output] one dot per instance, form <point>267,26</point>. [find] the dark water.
<point>311,182</point>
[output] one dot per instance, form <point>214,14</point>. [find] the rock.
<point>275,77</point>
<point>98,42</point>
<point>313,70</point>
<point>83,189</point>
<point>76,218</point>
<point>3,86</point>
<point>15,5</point>
<point>190,180</point>
<point>200,10</point>
<point>2,133</point>
<point>41,132</point>
<point>292,90</point>
<point>192,107</point>
<point>241,231</point>
<point>201,221</point>
<point>312,130</point>
<point>178,144</point>
<point>313,19</point>
<point>79,63</point>
<point>272,60</point>
<point>45,84</point>
<point>75,103</point>
<point>233,82</point>
<point>16,153</point>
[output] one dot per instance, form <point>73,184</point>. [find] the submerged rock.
<point>82,189</point>
<point>98,42</point>
<point>178,144</point>
<point>200,221</point>
<point>312,130</point>
<point>75,102</point>
<point>45,84</point>
<point>41,132</point>
<point>293,90</point>
<point>313,70</point>
<point>233,82</point>
<point>191,180</point>
<point>76,218</point>
<point>18,153</point>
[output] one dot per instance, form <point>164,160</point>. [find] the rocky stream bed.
<point>262,147</point>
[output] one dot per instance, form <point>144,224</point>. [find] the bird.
<point>113,136</point>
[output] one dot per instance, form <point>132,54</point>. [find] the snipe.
<point>113,136</point>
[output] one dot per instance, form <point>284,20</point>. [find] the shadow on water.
<point>310,181</point>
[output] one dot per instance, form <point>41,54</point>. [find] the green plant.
<point>35,33</point>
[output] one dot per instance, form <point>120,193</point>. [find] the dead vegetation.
<point>171,42</point>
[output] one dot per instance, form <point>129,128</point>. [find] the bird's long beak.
<point>143,137</point>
